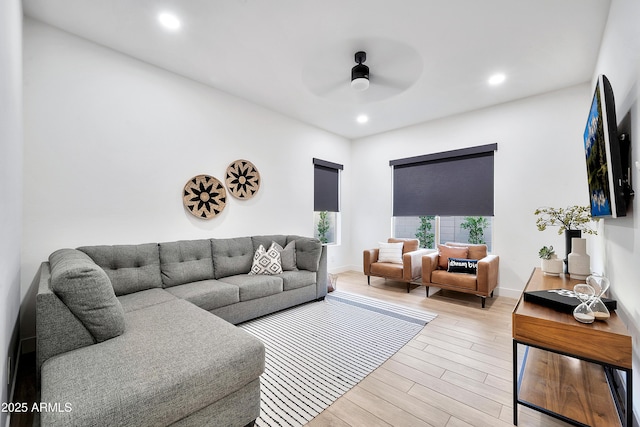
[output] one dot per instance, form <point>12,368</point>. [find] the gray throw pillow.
<point>86,290</point>
<point>308,252</point>
<point>287,256</point>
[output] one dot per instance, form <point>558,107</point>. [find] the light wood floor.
<point>456,372</point>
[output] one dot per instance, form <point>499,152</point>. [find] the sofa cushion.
<point>86,290</point>
<point>131,268</point>
<point>185,261</point>
<point>144,299</point>
<point>297,279</point>
<point>446,252</point>
<point>308,252</point>
<point>231,256</point>
<point>207,294</point>
<point>256,286</point>
<point>390,252</point>
<point>173,360</point>
<point>266,261</point>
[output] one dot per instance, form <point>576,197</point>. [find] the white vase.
<point>579,261</point>
<point>552,266</point>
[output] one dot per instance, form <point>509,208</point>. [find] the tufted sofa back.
<point>131,268</point>
<point>185,261</point>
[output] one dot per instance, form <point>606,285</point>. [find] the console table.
<point>568,369</point>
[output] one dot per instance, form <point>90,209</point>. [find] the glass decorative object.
<point>333,282</point>
<point>600,285</point>
<point>583,313</point>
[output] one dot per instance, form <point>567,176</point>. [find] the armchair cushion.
<point>476,251</point>
<point>409,245</point>
<point>445,252</point>
<point>390,252</point>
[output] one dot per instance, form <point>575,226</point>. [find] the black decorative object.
<point>563,300</point>
<point>204,196</point>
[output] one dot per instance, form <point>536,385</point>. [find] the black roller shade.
<point>326,182</point>
<point>452,183</point>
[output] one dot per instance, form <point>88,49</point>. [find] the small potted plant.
<point>550,263</point>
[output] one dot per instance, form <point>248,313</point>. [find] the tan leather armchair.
<point>409,271</point>
<point>482,283</point>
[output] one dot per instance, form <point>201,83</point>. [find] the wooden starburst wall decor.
<point>242,179</point>
<point>204,196</point>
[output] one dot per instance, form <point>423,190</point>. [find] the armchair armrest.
<point>487,275</point>
<point>369,256</point>
<point>429,264</point>
<point>412,264</point>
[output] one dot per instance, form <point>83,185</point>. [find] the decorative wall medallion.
<point>243,179</point>
<point>204,196</point>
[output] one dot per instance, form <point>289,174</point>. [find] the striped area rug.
<point>316,352</point>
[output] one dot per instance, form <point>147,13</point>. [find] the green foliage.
<point>546,252</point>
<point>571,218</point>
<point>476,226</point>
<point>424,234</point>
<point>323,227</point>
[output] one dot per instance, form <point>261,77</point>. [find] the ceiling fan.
<point>395,67</point>
<point>360,73</point>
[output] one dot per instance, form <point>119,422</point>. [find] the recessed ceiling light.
<point>496,79</point>
<point>362,118</point>
<point>169,21</point>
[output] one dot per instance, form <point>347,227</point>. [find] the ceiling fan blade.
<point>385,81</point>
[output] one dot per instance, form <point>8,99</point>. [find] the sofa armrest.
<point>487,275</point>
<point>322,275</point>
<point>369,256</point>
<point>412,264</point>
<point>429,265</point>
<point>57,329</point>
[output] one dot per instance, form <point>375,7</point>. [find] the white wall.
<point>10,183</point>
<point>619,60</point>
<point>539,162</point>
<point>110,142</point>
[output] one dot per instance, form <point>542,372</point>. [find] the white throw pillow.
<point>390,252</point>
<point>266,261</point>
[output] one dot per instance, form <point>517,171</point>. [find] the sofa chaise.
<point>144,335</point>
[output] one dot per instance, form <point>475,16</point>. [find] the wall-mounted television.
<point>607,155</point>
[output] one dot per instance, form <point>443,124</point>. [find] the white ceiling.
<point>427,59</point>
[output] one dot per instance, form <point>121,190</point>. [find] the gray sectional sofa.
<point>144,335</point>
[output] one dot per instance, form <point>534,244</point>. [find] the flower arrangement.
<point>571,218</point>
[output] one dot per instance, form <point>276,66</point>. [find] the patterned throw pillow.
<point>390,252</point>
<point>458,265</point>
<point>266,261</point>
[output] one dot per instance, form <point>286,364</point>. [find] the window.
<point>431,230</point>
<point>445,196</point>
<point>326,200</point>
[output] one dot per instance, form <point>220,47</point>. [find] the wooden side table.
<point>569,368</point>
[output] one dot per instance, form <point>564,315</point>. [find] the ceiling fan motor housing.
<point>360,71</point>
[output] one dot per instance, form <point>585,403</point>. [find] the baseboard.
<point>499,291</point>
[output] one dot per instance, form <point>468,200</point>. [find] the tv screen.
<point>602,150</point>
